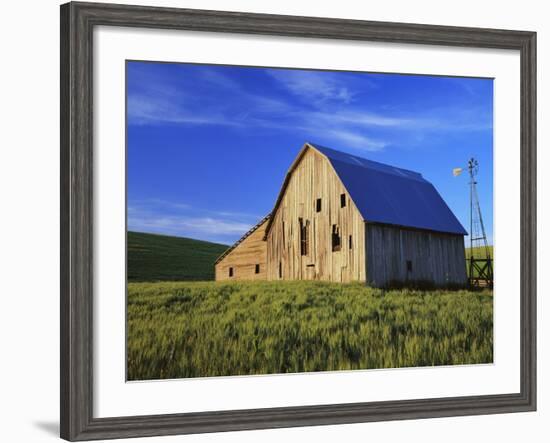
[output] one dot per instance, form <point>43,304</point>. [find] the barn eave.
<point>412,228</point>
<point>243,238</point>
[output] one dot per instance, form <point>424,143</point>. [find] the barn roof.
<point>386,194</point>
<point>390,195</point>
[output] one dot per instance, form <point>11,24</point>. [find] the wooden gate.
<point>481,272</point>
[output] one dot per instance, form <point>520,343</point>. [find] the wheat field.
<point>203,329</point>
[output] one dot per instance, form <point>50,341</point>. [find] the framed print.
<point>273,221</point>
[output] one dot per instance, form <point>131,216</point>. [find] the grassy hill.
<point>154,257</point>
<point>478,252</point>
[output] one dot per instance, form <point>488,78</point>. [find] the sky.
<point>208,146</point>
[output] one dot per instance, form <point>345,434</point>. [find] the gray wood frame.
<point>77,24</point>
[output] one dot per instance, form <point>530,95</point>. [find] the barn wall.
<point>244,258</point>
<point>314,178</point>
<point>435,257</point>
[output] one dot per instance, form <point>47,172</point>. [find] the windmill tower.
<point>480,262</point>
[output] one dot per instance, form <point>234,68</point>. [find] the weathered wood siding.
<point>314,178</point>
<point>244,258</point>
<point>434,257</point>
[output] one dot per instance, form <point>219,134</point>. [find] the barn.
<point>343,218</point>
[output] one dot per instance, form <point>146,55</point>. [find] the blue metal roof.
<point>390,195</point>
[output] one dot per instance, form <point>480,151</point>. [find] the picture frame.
<point>78,21</point>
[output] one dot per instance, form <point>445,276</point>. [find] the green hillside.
<point>478,252</point>
<point>154,257</point>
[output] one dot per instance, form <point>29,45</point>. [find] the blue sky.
<point>208,146</point>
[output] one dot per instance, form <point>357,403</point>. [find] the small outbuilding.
<point>343,218</point>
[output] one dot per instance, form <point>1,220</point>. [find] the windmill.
<point>480,267</point>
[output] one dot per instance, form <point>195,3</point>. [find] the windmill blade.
<point>457,171</point>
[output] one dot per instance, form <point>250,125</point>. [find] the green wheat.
<point>202,329</point>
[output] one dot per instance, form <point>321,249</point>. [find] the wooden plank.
<point>244,258</point>
<point>435,257</point>
<point>313,177</point>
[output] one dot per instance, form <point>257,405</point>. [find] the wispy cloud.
<point>177,206</point>
<point>200,227</point>
<point>156,202</point>
<point>151,104</point>
<point>355,140</point>
<point>325,108</point>
<point>182,219</point>
<point>364,118</point>
<point>313,86</point>
<point>155,109</point>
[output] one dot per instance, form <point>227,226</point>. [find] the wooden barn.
<point>342,218</point>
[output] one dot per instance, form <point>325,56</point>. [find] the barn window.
<point>350,243</point>
<point>230,272</point>
<point>318,205</point>
<point>409,265</point>
<point>280,270</point>
<point>342,200</point>
<point>257,269</point>
<point>336,242</point>
<point>304,236</point>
